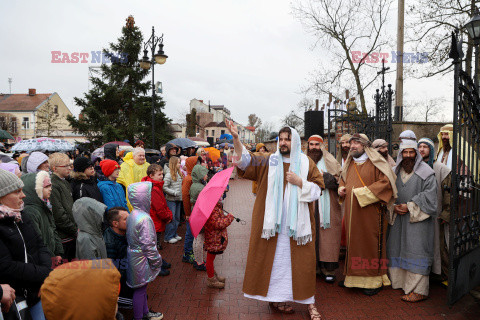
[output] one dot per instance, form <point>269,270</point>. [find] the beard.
<point>357,153</point>
<point>408,164</point>
<point>446,144</point>
<point>384,154</point>
<point>315,154</point>
<point>426,158</point>
<point>284,150</point>
<point>345,151</point>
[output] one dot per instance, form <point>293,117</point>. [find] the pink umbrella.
<point>207,199</point>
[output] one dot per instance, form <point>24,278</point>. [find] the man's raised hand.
<point>232,128</point>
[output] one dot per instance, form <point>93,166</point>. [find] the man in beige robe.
<point>328,214</point>
<point>343,148</point>
<point>367,186</point>
<point>281,256</point>
<point>382,147</point>
<point>445,142</point>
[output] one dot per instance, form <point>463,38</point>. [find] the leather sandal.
<point>281,307</point>
<point>414,297</point>
<point>314,314</point>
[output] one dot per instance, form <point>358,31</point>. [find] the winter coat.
<point>144,261</point>
<point>82,186</point>
<point>187,183</point>
<point>81,290</point>
<point>116,245</point>
<point>110,151</point>
<point>62,203</point>
<point>216,236</point>
<point>15,238</point>
<point>40,214</point>
<point>172,189</point>
<point>112,193</point>
<point>130,172</point>
<point>159,211</point>
<point>198,173</point>
<point>88,214</point>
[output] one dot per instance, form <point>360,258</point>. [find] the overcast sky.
<point>251,55</point>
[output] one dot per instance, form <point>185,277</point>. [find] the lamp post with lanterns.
<point>148,63</point>
<point>473,29</point>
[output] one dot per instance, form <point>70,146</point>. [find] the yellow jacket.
<point>130,172</point>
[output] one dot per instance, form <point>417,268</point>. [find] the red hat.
<point>108,166</point>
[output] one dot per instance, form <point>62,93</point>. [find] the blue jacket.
<point>113,194</point>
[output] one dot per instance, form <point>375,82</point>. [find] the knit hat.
<point>108,166</point>
<point>431,146</point>
<point>35,160</point>
<point>315,137</point>
<point>9,183</point>
<point>81,164</point>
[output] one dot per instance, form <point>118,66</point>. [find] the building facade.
<point>34,115</point>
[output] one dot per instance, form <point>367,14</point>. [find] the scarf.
<point>324,202</point>
<point>431,146</point>
<point>9,212</point>
<point>298,215</point>
<point>361,159</point>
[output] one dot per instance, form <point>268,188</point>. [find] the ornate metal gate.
<point>464,244</point>
<point>375,126</point>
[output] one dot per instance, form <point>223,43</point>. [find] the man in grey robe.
<point>426,148</point>
<point>410,243</point>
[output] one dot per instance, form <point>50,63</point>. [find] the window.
<point>13,125</point>
<point>222,132</point>
<point>206,132</point>
<point>25,123</point>
<point>55,109</point>
<point>213,133</point>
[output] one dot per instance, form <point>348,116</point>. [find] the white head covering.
<point>408,135</point>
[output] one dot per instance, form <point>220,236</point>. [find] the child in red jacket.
<point>159,211</point>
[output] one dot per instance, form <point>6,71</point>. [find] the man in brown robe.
<point>328,225</point>
<point>367,185</point>
<point>281,264</point>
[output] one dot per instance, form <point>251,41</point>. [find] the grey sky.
<point>251,56</point>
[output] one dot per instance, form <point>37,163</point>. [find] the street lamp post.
<point>146,63</point>
<point>473,29</point>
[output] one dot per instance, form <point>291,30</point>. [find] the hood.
<point>260,146</point>
<point>139,195</point>
<point>110,151</point>
<point>10,167</point>
<point>170,146</point>
<point>156,183</point>
<point>35,160</point>
<point>81,176</point>
<point>96,284</point>
<point>29,181</point>
<point>421,168</point>
<point>190,163</point>
<point>128,156</point>
<point>88,214</point>
<point>198,173</point>
<point>104,181</point>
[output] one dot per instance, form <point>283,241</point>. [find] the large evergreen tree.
<point>119,104</point>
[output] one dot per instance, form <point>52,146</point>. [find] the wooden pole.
<point>399,82</point>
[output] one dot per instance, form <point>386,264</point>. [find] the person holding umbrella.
<point>216,236</point>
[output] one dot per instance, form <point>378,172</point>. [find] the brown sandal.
<point>414,297</point>
<point>314,314</point>
<point>281,307</point>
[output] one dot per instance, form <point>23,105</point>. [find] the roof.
<point>250,128</point>
<point>22,102</point>
<point>211,124</point>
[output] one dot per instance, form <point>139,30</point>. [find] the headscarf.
<point>379,143</point>
<point>422,171</point>
<point>448,128</point>
<point>408,135</point>
<point>345,137</point>
<point>431,146</point>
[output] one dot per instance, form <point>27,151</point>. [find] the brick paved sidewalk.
<point>184,295</point>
